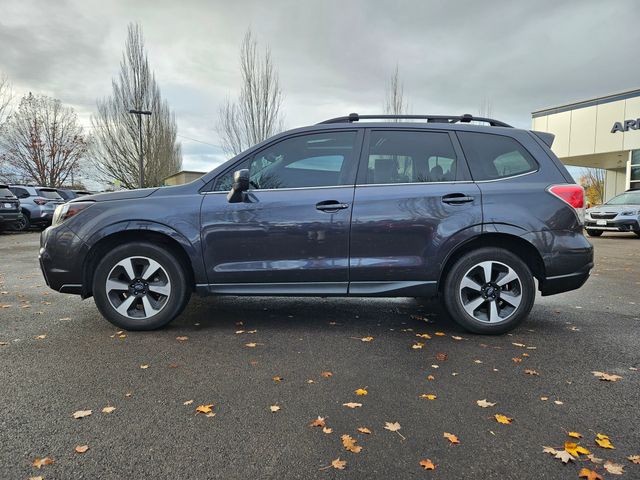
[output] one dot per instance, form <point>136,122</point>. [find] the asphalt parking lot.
<point>59,356</point>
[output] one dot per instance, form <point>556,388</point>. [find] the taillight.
<point>68,210</point>
<point>40,201</point>
<point>571,194</point>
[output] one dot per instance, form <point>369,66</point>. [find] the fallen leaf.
<point>108,409</point>
<point>182,339</point>
<point>594,459</point>
<point>558,402</point>
<point>274,408</point>
<point>361,391</point>
<point>366,339</point>
<point>589,474</point>
<point>144,367</point>
<point>503,419</point>
<point>352,405</point>
<point>423,335</point>
<point>544,399</point>
<point>575,449</point>
<point>477,361</point>
<point>456,337</point>
<point>565,456</point>
<point>518,344</point>
<point>39,477</point>
<point>393,427</point>
<point>530,371</point>
<point>451,437</point>
<point>350,444</point>
<point>417,345</point>
<point>550,450</point>
<point>337,464</point>
<point>82,413</point>
<point>607,377</point>
<point>634,459</point>
<point>440,334</point>
<point>326,374</point>
<point>277,379</point>
<point>428,396</point>
<point>251,345</point>
<point>318,422</point>
<point>40,462</point>
<point>603,441</point>
<point>441,356</point>
<point>364,430</point>
<point>613,468</point>
<point>430,377</point>
<point>204,408</point>
<point>327,429</point>
<point>574,434</point>
<point>516,359</point>
<point>484,403</point>
<point>81,448</point>
<point>41,337</point>
<point>427,464</point>
<point>188,402</point>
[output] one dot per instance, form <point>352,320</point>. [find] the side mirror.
<point>240,185</point>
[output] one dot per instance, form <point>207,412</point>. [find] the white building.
<point>600,133</point>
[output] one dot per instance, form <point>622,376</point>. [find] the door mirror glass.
<point>240,185</point>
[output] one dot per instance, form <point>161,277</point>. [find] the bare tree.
<point>6,95</point>
<point>116,144</point>
<point>42,141</point>
<point>255,115</point>
<point>394,103</point>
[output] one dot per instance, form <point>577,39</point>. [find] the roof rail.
<point>466,118</point>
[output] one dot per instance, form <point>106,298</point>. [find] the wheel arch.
<point>114,236</point>
<point>517,245</point>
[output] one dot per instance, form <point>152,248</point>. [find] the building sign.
<point>626,125</point>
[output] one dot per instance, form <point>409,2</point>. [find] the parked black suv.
<point>9,208</point>
<point>470,213</point>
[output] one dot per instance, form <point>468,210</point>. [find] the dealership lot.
<point>59,357</point>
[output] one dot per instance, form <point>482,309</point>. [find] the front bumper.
<point>615,225</point>
<point>61,258</point>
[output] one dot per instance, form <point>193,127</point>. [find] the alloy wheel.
<point>490,291</point>
<point>138,287</point>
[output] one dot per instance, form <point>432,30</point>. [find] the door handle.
<point>457,199</point>
<point>331,206</point>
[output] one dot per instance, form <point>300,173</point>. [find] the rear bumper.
<point>627,225</point>
<point>61,258</point>
<point>8,218</point>
<point>565,283</point>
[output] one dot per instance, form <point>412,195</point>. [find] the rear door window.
<point>48,193</point>
<point>492,157</point>
<point>397,156</point>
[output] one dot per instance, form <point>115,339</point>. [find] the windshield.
<point>50,194</point>
<point>5,193</point>
<point>627,198</point>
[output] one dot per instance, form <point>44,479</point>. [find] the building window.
<point>634,177</point>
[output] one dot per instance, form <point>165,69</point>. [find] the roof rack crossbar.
<point>466,118</point>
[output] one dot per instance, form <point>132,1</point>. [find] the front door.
<point>413,202</point>
<point>290,235</point>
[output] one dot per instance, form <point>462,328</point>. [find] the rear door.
<point>413,202</point>
<point>291,233</point>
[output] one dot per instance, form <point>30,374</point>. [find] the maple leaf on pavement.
<point>326,374</point>
<point>634,459</point>
<point>204,408</point>
<point>575,449</point>
<point>394,427</point>
<point>574,434</point>
<point>350,444</point>
<point>427,464</point>
<point>274,408</point>
<point>451,437</point>
<point>327,430</point>
<point>603,441</point>
<point>82,413</point>
<point>550,450</point>
<point>40,462</point>
<point>417,345</point>
<point>364,430</point>
<point>594,459</point>
<point>182,339</point>
<point>428,396</point>
<point>484,404</point>
<point>352,405</point>
<point>361,391</point>
<point>108,409</point>
<point>188,402</point>
<point>614,468</point>
<point>607,377</point>
<point>318,422</point>
<point>565,456</point>
<point>81,448</point>
<point>503,419</point>
<point>589,474</point>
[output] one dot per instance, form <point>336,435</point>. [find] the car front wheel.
<point>489,291</point>
<point>140,286</point>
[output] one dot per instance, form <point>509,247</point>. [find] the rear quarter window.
<point>492,157</point>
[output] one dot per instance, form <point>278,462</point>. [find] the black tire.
<point>22,224</point>
<point>637,232</point>
<point>524,288</point>
<point>594,233</point>
<point>176,278</point>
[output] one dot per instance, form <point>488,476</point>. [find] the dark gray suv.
<point>474,214</point>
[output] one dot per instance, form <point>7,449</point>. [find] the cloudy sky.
<point>333,56</point>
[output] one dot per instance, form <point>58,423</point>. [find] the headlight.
<point>68,210</point>
<point>630,212</point>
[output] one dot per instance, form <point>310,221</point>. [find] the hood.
<point>614,208</point>
<point>120,195</point>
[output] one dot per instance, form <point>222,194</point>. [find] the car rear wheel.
<point>140,286</point>
<point>22,223</point>
<point>594,233</point>
<point>489,291</point>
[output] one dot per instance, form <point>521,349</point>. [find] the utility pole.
<point>139,113</point>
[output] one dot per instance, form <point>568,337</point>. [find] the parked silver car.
<point>620,214</point>
<point>37,204</point>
